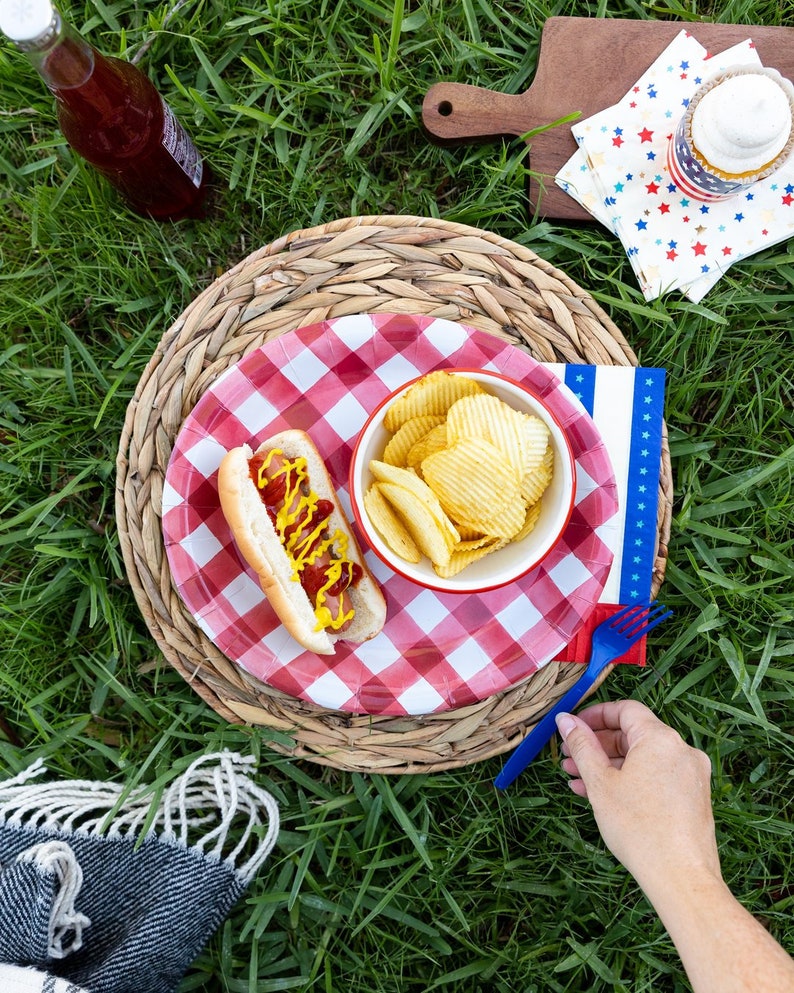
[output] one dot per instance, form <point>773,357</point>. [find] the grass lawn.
<point>308,110</point>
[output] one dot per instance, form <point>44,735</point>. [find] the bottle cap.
<point>25,20</point>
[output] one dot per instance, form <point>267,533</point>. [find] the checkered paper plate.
<point>437,651</point>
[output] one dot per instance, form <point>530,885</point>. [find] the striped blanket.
<point>108,890</point>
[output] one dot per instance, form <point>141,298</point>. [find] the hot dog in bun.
<point>285,516</point>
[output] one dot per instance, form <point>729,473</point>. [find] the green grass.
<point>308,111</point>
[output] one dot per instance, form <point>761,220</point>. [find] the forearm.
<point>723,948</point>
<point>650,796</point>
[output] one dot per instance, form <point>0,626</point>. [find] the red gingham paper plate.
<point>437,651</point>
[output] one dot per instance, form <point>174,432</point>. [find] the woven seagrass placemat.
<point>389,264</point>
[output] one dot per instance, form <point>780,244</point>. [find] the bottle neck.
<point>63,58</point>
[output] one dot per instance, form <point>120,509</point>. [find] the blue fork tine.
<point>610,640</point>
<point>639,620</point>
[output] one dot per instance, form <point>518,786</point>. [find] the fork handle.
<point>543,731</point>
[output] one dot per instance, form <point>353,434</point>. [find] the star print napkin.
<point>619,175</point>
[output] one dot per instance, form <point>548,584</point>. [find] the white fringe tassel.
<point>65,921</point>
<point>199,809</point>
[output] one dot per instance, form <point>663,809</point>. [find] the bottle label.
<point>179,146</point>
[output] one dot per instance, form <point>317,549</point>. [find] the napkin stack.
<point>619,175</point>
<point>627,406</point>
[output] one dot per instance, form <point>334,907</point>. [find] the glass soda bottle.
<point>111,114</point>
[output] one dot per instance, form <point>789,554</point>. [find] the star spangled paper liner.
<point>436,651</point>
<point>619,174</point>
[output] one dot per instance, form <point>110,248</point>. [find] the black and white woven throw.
<point>102,892</point>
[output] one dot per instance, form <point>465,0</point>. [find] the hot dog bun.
<point>260,545</point>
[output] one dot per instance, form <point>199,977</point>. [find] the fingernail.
<point>565,724</point>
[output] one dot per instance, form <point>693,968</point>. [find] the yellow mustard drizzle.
<point>302,550</point>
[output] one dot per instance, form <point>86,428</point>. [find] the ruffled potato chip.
<point>434,536</point>
<point>389,525</point>
<point>406,437</point>
<point>533,513</point>
<point>477,487</point>
<point>433,441</point>
<point>522,438</point>
<point>470,534</point>
<point>407,479</point>
<point>538,442</point>
<point>432,394</point>
<point>463,557</point>
<point>535,482</point>
<point>473,544</point>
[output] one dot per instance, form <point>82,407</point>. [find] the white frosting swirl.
<point>744,122</point>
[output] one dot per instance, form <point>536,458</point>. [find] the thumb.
<point>590,759</point>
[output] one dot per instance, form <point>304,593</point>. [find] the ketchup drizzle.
<point>313,577</point>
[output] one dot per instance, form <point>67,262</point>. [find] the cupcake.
<point>736,131</point>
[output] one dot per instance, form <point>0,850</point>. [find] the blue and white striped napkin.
<point>627,405</point>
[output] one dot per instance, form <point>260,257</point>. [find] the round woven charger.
<point>388,264</point>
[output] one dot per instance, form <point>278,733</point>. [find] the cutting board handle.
<point>459,112</point>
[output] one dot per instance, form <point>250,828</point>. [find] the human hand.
<point>649,791</point>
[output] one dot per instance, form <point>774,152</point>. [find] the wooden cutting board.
<point>584,65</point>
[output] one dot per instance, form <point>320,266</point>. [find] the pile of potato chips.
<point>461,476</point>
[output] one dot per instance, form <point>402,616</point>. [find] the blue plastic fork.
<point>611,639</point>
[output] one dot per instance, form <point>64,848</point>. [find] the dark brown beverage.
<point>113,116</point>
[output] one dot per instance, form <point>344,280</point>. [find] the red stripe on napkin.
<point>578,650</point>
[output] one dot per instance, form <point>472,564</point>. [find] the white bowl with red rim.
<point>517,558</point>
